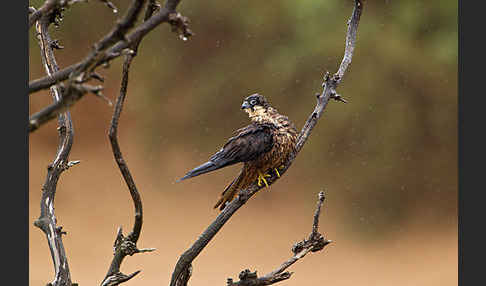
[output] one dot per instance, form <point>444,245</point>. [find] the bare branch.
<point>110,5</point>
<point>47,7</point>
<point>113,133</point>
<point>110,46</point>
<point>315,225</point>
<point>124,246</point>
<point>118,278</point>
<point>248,278</point>
<point>47,220</point>
<point>74,93</point>
<point>330,83</point>
<point>315,242</point>
<point>329,86</point>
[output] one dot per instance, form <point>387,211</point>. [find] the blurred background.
<point>387,159</point>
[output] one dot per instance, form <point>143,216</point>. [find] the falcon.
<point>262,147</point>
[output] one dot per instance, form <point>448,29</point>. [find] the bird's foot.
<point>261,178</point>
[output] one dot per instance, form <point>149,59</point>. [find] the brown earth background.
<point>387,160</point>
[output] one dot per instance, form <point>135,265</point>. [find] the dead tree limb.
<point>104,51</point>
<point>70,97</point>
<point>112,45</point>
<point>184,264</point>
<point>47,221</point>
<point>124,246</point>
<point>110,5</point>
<point>315,242</point>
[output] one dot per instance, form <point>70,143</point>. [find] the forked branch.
<point>315,242</point>
<point>76,92</point>
<point>184,264</point>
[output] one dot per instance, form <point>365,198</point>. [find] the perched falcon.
<point>262,147</point>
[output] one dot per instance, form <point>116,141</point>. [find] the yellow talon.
<point>276,171</point>
<point>261,177</point>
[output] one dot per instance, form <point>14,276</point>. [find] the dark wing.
<point>250,142</point>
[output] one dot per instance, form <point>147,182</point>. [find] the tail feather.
<point>223,199</point>
<point>229,192</point>
<point>202,169</point>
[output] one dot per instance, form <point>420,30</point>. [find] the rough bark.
<point>47,220</point>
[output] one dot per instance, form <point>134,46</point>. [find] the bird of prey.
<point>262,147</point>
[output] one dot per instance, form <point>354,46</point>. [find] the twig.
<point>103,52</point>
<point>315,242</point>
<point>110,5</point>
<point>331,83</point>
<point>124,246</point>
<point>47,220</point>
<point>68,99</point>
<point>329,86</point>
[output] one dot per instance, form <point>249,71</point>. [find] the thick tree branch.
<point>124,246</point>
<point>47,220</point>
<point>315,242</point>
<point>114,43</point>
<point>329,91</point>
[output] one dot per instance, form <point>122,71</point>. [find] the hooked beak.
<point>245,105</point>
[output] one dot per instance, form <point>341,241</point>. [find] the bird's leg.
<point>276,170</point>
<point>261,177</point>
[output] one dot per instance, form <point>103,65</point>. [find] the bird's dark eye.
<point>253,102</point>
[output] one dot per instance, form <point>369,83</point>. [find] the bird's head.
<point>255,105</point>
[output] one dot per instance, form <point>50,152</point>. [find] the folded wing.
<point>250,142</point>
